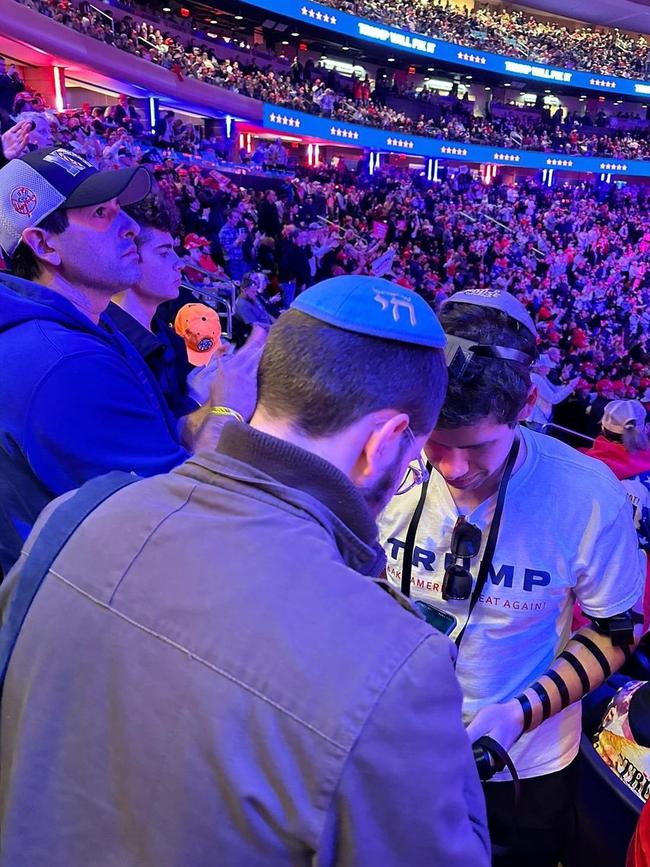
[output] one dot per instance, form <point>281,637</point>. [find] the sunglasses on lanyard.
<point>465,544</point>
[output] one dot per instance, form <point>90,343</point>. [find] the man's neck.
<point>333,449</point>
<point>467,501</point>
<point>91,302</point>
<point>142,309</point>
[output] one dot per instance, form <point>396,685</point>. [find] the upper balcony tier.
<point>598,61</point>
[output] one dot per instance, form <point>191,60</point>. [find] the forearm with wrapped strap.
<point>588,659</point>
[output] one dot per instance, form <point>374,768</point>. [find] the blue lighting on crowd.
<point>344,24</point>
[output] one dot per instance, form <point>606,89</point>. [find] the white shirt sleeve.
<point>609,564</point>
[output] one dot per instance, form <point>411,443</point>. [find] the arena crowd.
<point>306,87</point>
<point>565,251</point>
<point>285,543</point>
<point>609,51</point>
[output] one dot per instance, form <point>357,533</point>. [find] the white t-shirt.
<point>566,533</point>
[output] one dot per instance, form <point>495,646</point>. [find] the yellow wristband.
<point>225,410</point>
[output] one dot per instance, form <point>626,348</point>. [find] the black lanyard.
<point>488,554</point>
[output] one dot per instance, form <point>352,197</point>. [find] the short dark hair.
<point>490,387</point>
<point>24,262</point>
<point>151,213</point>
<point>323,379</point>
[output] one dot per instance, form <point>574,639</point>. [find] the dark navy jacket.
<point>164,353</point>
<point>76,400</point>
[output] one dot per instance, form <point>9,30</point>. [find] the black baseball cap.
<point>36,184</point>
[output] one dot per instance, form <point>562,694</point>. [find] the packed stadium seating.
<point>315,91</point>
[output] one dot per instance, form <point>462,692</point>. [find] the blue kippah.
<point>373,306</point>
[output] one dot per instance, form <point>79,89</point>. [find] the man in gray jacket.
<point>211,675</point>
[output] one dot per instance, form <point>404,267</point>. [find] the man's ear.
<point>39,242</point>
<point>384,434</point>
<point>527,408</point>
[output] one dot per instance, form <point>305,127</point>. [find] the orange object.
<point>200,328</point>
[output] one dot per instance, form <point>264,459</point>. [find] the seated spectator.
<point>10,85</point>
<point>548,394</point>
<point>86,402</point>
<point>232,237</point>
<point>176,648</point>
<point>164,136</point>
<point>623,445</point>
<point>201,266</point>
<point>251,306</point>
<point>134,311</point>
<point>126,115</point>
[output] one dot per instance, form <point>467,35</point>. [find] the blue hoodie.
<point>76,400</point>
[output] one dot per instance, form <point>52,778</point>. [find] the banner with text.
<point>344,24</point>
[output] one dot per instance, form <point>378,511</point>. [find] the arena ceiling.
<point>625,14</point>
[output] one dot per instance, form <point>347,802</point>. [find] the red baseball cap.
<point>194,241</point>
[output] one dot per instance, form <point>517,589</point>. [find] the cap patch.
<point>204,344</point>
<point>23,201</point>
<point>484,293</point>
<point>70,162</point>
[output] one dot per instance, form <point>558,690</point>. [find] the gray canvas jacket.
<point>207,677</point>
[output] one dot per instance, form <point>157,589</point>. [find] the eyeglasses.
<point>465,543</point>
<point>417,474</point>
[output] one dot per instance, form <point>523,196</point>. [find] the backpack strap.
<point>54,535</point>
